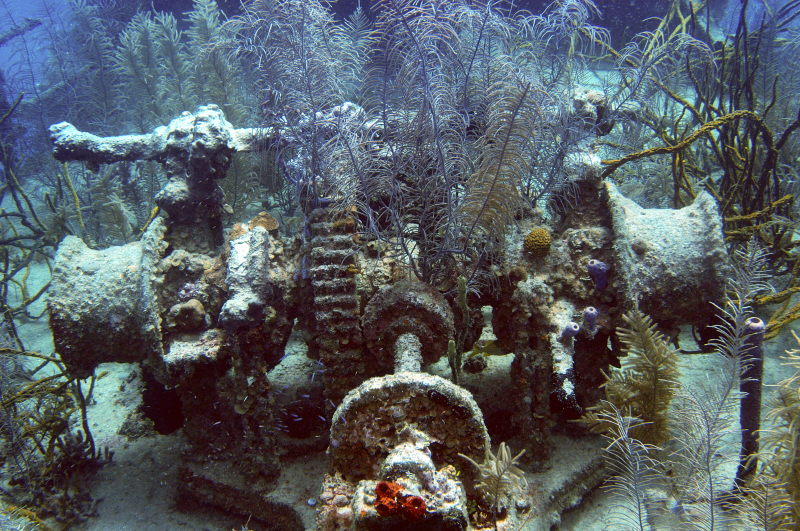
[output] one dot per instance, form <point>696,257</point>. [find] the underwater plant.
<point>46,462</point>
<point>693,425</point>
<point>705,413</point>
<point>780,451</point>
<point>24,238</point>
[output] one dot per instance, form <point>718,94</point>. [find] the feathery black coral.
<point>645,385</point>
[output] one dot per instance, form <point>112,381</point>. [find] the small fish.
<point>487,348</point>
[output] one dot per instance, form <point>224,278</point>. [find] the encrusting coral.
<point>370,421</point>
<point>268,222</point>
<point>188,316</point>
<point>334,512</point>
<point>410,492</point>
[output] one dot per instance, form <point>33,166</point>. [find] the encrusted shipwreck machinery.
<point>405,431</point>
<point>336,323</point>
<point>209,316</point>
<point>558,312</point>
<point>561,295</point>
<point>207,319</point>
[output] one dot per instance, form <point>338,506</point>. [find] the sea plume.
<point>705,419</point>
<point>631,467</point>
<point>645,385</point>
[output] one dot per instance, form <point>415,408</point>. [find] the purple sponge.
<point>570,330</point>
<point>750,384</point>
<point>590,319</point>
<point>598,271</point>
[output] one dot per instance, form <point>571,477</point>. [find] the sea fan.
<point>355,44</point>
<point>703,424</point>
<point>655,366</point>
<point>491,197</point>
<point>290,48</point>
<point>570,22</point>
<point>765,505</point>
<point>137,63</point>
